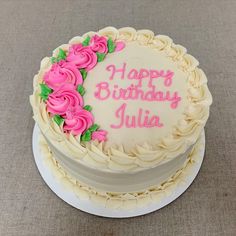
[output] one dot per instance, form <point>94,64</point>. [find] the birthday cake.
<point>120,112</point>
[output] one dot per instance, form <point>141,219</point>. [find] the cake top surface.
<point>127,98</point>
<point>137,95</point>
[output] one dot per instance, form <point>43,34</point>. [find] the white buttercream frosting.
<point>124,200</point>
<point>116,158</point>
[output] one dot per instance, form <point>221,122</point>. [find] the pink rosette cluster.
<point>66,98</point>
<point>62,73</point>
<point>62,80</point>
<point>78,121</point>
<point>82,57</point>
<point>68,103</point>
<point>98,44</point>
<point>99,135</point>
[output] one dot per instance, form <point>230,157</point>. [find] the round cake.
<point>120,112</point>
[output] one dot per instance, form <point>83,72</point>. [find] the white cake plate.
<point>95,209</point>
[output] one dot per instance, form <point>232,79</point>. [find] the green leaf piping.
<point>53,60</point>
<point>81,90</point>
<point>94,127</point>
<point>88,108</point>
<point>58,119</point>
<point>100,56</point>
<point>61,56</point>
<point>83,73</point>
<point>86,136</point>
<point>86,41</point>
<point>111,45</point>
<point>45,91</point>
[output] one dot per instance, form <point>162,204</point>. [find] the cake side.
<point>122,181</point>
<point>127,200</point>
<point>181,136</point>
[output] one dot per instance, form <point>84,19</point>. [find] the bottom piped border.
<point>118,200</point>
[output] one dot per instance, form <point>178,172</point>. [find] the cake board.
<point>93,208</point>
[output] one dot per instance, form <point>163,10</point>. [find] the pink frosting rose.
<point>66,98</point>
<point>99,135</point>
<point>78,121</point>
<point>82,57</point>
<point>98,44</point>
<point>62,73</point>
